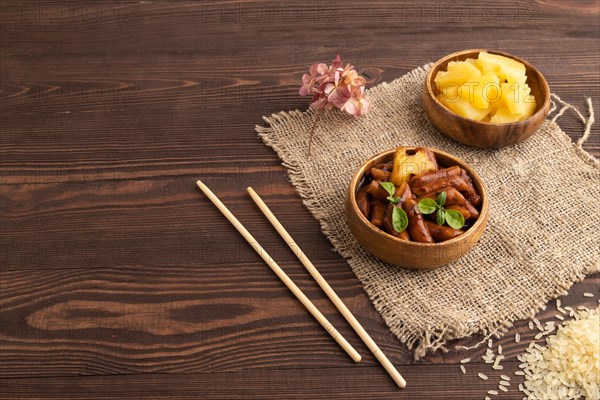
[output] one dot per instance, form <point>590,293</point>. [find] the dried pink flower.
<point>335,86</point>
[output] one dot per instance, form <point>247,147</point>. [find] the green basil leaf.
<point>441,199</point>
<point>440,217</point>
<point>393,199</point>
<point>389,187</point>
<point>399,219</point>
<point>455,219</point>
<point>427,206</point>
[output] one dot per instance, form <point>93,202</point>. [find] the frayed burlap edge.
<point>431,338</point>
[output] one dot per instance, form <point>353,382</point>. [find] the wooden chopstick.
<point>282,275</point>
<point>389,367</point>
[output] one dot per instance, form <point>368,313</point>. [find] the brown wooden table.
<point>119,280</point>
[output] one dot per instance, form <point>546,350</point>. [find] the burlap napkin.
<point>541,237</point>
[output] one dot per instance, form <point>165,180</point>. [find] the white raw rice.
<point>587,294</point>
<point>483,376</point>
<point>465,360</point>
<point>539,335</point>
<point>462,368</point>
<point>489,356</point>
<point>568,367</point>
<point>562,310</point>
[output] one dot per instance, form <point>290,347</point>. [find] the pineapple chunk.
<point>512,98</point>
<point>458,73</point>
<point>503,116</point>
<point>450,93</point>
<point>472,61</point>
<point>466,109</point>
<point>481,90</point>
<point>530,105</point>
<point>496,104</point>
<point>407,165</point>
<point>468,69</point>
<point>506,68</point>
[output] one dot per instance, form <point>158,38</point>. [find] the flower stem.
<point>312,129</point>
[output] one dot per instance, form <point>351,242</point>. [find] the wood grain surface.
<point>118,279</point>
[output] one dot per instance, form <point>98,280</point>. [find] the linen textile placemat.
<point>541,235</point>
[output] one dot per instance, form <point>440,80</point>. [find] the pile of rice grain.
<point>568,367</point>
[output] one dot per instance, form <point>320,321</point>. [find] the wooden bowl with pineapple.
<point>486,98</point>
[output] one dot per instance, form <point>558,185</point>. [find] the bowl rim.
<point>483,214</point>
<point>541,111</point>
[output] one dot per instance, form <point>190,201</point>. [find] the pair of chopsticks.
<point>389,367</point>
